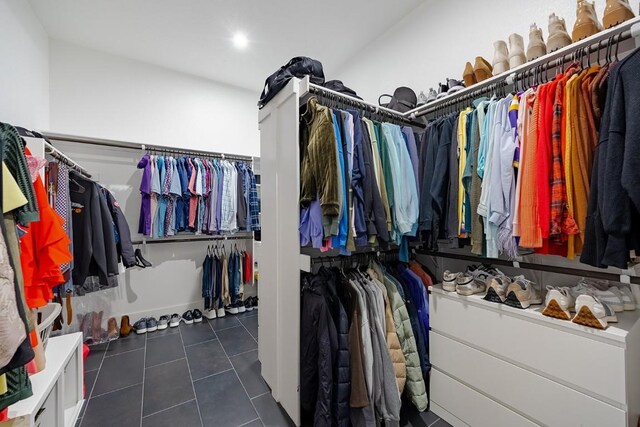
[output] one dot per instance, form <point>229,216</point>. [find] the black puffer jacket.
<point>341,367</point>
<point>318,350</point>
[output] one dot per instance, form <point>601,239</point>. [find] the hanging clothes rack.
<point>608,40</point>
<point>137,146</point>
<point>371,110</point>
<point>61,157</point>
<point>248,236</point>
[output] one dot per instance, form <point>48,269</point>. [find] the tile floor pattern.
<point>204,374</point>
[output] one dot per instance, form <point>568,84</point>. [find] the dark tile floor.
<point>204,374</point>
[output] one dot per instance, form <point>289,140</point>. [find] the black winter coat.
<point>122,232</point>
<point>318,349</point>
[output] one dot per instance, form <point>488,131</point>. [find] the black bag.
<point>299,66</point>
<point>338,86</point>
<point>403,100</point>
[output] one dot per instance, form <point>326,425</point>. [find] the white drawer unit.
<point>497,365</point>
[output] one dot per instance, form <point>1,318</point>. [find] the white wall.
<point>100,95</point>
<point>439,37</point>
<point>24,74</point>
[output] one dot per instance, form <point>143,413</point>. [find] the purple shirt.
<point>144,225</point>
<point>311,225</point>
<point>219,207</point>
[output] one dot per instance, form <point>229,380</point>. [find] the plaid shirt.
<point>254,203</point>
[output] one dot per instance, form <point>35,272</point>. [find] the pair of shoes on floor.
<point>190,317</point>
<point>251,303</point>
<point>144,325</point>
<point>169,321</point>
<point>213,313</point>
<point>235,307</point>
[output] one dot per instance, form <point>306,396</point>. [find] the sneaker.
<point>593,312</point>
<point>601,290</point>
<point>465,285</point>
<point>454,86</point>
<point>175,320</point>
<point>497,288</point>
<point>449,281</point>
<point>210,314</point>
<point>628,300</point>
<point>221,312</point>
<point>442,90</point>
<point>432,95</point>
<point>163,322</point>
<point>522,293</point>
<point>248,304</point>
<point>255,303</point>
<point>231,309</point>
<point>240,306</point>
<point>197,315</point>
<point>187,317</point>
<point>483,274</point>
<point>558,302</point>
<point>152,324</point>
<point>140,327</point>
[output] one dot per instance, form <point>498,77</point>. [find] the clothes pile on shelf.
<point>223,279</point>
<point>196,195</point>
<point>364,342</point>
<point>515,171</point>
<point>358,180</point>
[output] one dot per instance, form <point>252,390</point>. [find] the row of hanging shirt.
<point>358,180</point>
<point>517,169</point>
<point>196,195</point>
<point>364,342</point>
<point>224,276</point>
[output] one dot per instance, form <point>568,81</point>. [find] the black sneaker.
<point>197,316</point>
<point>231,308</point>
<point>248,304</point>
<point>454,86</point>
<point>187,317</point>
<point>255,303</point>
<point>152,324</point>
<point>240,305</point>
<point>442,91</point>
<point>140,326</point>
<point>175,320</point>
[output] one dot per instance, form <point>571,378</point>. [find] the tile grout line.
<point>434,423</point>
<point>193,387</point>
<point>260,395</point>
<point>144,368</point>
<point>212,375</point>
<point>249,422</point>
<point>229,327</point>
<point>244,352</point>
<point>170,407</point>
<point>116,390</point>
<point>124,352</point>
<point>238,376</point>
<point>201,342</point>
<point>245,328</point>
<point>94,381</point>
<point>165,363</point>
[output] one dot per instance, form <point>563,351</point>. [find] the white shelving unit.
<point>57,390</point>
<point>495,365</point>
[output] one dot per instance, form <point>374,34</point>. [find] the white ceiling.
<point>193,36</point>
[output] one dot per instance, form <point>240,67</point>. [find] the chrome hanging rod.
<point>351,101</point>
<point>61,157</point>
<point>138,146</point>
<point>201,238</point>
<point>594,44</point>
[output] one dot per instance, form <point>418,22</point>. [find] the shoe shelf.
<point>57,390</point>
<point>616,332</point>
<point>495,365</point>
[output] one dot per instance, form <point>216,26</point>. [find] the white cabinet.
<point>57,390</point>
<point>498,365</point>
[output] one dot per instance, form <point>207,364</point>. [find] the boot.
<point>516,51</point>
<point>587,23</point>
<point>558,35</point>
<point>112,329</point>
<point>482,70</point>
<point>616,12</point>
<point>468,76</point>
<point>536,47</point>
<point>125,326</point>
<point>500,58</point>
<point>97,326</point>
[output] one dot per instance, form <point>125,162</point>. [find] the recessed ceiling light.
<point>240,41</point>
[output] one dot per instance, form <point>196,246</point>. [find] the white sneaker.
<point>466,285</point>
<point>210,314</point>
<point>593,312</point>
<point>449,281</point>
<point>596,288</point>
<point>522,293</point>
<point>625,295</point>
<point>558,302</point>
<point>497,289</point>
<point>221,312</point>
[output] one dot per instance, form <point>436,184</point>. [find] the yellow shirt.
<point>568,111</point>
<point>12,197</point>
<point>462,162</point>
